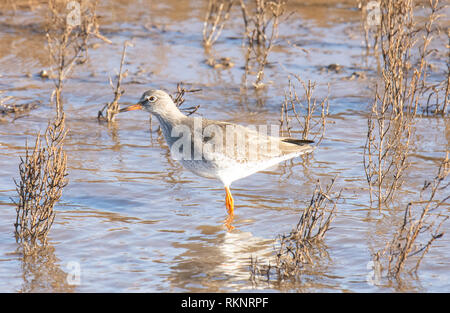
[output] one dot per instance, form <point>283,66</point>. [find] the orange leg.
<point>229,202</point>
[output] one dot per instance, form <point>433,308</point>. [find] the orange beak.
<point>133,107</point>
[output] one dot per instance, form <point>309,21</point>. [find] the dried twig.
<point>440,90</point>
<point>112,108</point>
<point>298,248</point>
<point>67,40</point>
<point>178,99</point>
<point>217,15</point>
<point>304,111</point>
<point>397,35</point>
<point>391,121</point>
<point>261,31</point>
<point>405,243</point>
<point>42,178</point>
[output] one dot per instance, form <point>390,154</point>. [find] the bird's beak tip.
<point>133,107</point>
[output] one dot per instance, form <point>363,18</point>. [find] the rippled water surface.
<point>135,220</point>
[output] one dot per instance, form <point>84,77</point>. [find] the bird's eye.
<point>151,98</point>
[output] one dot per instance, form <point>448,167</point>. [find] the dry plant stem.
<point>178,98</point>
<point>261,30</point>
<point>394,109</point>
<point>314,223</point>
<point>386,151</point>
<point>405,241</point>
<point>304,111</point>
<point>397,23</point>
<point>447,88</point>
<point>92,27</point>
<point>216,17</point>
<point>42,178</point>
<point>66,43</point>
<point>443,111</point>
<point>297,248</point>
<point>112,108</point>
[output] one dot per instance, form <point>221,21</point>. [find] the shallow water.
<point>134,220</point>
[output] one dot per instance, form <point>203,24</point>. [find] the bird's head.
<point>153,101</point>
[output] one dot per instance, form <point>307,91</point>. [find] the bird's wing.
<point>246,143</point>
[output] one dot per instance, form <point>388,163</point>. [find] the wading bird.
<point>216,149</point>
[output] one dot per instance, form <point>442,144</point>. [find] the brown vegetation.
<point>178,98</point>
<point>404,46</point>
<point>112,108</point>
<point>419,220</point>
<point>396,101</point>
<point>261,31</point>
<point>440,92</point>
<point>43,174</point>
<point>304,110</point>
<point>216,17</point>
<point>67,39</point>
<point>295,250</point>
